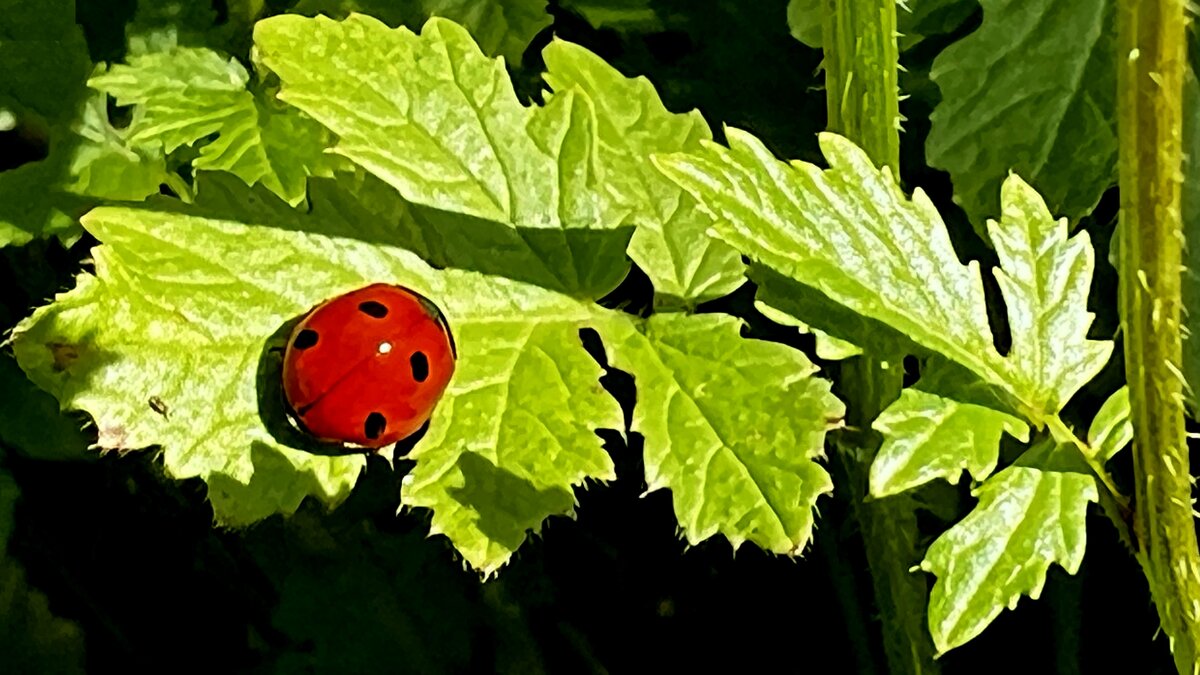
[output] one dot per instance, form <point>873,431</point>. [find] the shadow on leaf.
<point>276,486</point>
<point>506,505</point>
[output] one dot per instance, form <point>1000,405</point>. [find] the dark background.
<point>130,555</point>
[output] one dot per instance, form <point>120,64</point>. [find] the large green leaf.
<point>671,243</point>
<point>186,308</point>
<point>439,121</point>
<point>1027,518</point>
<point>851,234</point>
<point>731,427</point>
<point>926,436</point>
<point>185,95</point>
<point>32,639</point>
<point>1032,91</point>
<point>501,27</point>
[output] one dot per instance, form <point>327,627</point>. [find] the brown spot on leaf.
<point>64,354</point>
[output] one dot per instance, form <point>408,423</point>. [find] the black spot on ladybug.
<point>420,366</point>
<point>373,309</point>
<point>375,425</point>
<point>307,338</point>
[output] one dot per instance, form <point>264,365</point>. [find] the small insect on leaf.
<point>159,406</point>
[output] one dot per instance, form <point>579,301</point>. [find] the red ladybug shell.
<point>368,367</point>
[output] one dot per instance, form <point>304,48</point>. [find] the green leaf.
<point>1111,428</point>
<point>851,234</point>
<point>1031,91</point>
<point>828,347</point>
<point>32,639</point>
<point>440,122</point>
<point>926,436</point>
<point>1026,519</point>
<point>731,426</point>
<point>43,66</point>
<point>501,27</point>
<point>671,243</point>
<point>107,165</point>
<point>185,95</point>
<point>622,15</point>
<point>187,309</point>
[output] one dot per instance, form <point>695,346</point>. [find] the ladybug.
<point>367,368</point>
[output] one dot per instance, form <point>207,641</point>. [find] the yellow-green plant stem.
<point>861,65</point>
<point>1151,64</point>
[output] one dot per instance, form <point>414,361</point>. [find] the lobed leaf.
<point>852,236</point>
<point>440,122</point>
<point>501,27</point>
<point>1032,90</point>
<point>185,95</point>
<point>185,308</point>
<point>671,243</point>
<point>731,426</point>
<point>1026,519</point>
<point>926,436</point>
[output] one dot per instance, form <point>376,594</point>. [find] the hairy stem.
<point>861,63</point>
<point>1152,64</point>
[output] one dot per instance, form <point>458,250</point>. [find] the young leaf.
<point>732,427</point>
<point>926,436</point>
<point>1111,428</point>
<point>106,164</point>
<point>43,66</point>
<point>849,233</point>
<point>1026,519</point>
<point>501,27</point>
<point>186,308</point>
<point>1031,91</point>
<point>185,95</point>
<point>440,122</point>
<point>671,243</point>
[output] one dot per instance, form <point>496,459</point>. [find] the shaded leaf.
<point>1032,90</point>
<point>926,437</point>
<point>732,427</point>
<point>623,15</point>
